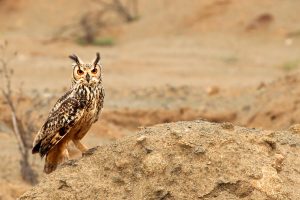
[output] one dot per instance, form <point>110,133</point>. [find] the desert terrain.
<point>214,60</point>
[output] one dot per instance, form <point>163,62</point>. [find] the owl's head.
<point>86,73</point>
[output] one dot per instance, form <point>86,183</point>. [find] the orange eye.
<point>94,71</point>
<point>79,72</point>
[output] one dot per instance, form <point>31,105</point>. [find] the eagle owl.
<point>72,115</point>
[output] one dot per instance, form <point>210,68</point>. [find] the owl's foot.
<point>80,146</point>
<point>90,151</point>
<point>54,158</point>
<point>49,167</point>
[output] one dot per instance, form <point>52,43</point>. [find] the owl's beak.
<point>88,78</point>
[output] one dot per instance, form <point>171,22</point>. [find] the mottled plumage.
<point>72,115</point>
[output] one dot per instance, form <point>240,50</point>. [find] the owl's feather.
<point>66,112</point>
<point>100,98</point>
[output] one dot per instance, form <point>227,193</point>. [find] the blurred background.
<point>164,61</point>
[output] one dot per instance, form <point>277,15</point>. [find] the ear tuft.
<point>74,58</point>
<point>97,58</point>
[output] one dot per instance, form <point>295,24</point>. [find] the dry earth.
<point>277,104</point>
<point>183,160</point>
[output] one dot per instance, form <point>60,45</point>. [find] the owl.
<point>72,115</point>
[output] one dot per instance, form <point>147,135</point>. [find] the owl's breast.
<point>93,103</point>
<point>96,104</point>
<point>93,98</point>
<point>86,120</point>
<point>89,113</point>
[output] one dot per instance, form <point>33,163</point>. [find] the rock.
<point>261,21</point>
<point>199,150</point>
<point>270,183</point>
<point>227,125</point>
<point>141,139</point>
<point>212,90</point>
<point>295,128</point>
<point>154,164</point>
<point>278,164</point>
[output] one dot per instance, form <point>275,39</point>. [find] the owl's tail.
<point>55,157</point>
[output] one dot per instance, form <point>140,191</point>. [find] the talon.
<point>89,151</point>
<point>48,168</point>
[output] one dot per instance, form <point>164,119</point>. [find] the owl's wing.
<point>63,116</point>
<point>99,104</point>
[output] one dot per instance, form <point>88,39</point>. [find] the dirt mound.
<point>277,104</point>
<point>183,160</point>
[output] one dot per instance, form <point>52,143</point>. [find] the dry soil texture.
<point>183,160</point>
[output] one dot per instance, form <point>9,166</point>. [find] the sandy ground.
<point>183,160</point>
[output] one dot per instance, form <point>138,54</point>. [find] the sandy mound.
<point>183,160</point>
<point>277,104</point>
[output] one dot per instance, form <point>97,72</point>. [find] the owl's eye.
<point>94,71</point>
<point>79,72</point>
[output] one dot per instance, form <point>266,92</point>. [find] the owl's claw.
<point>89,151</point>
<point>49,167</point>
